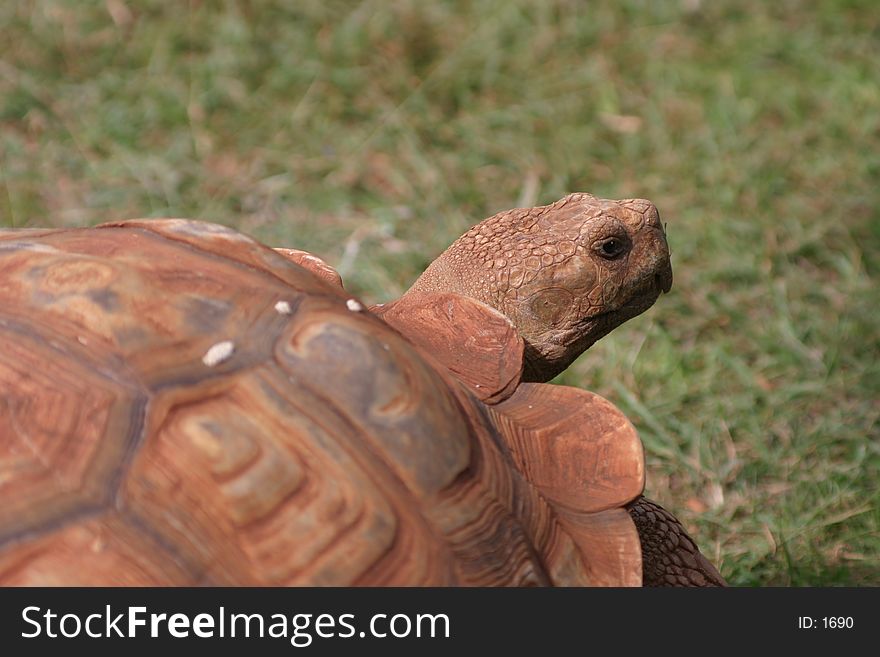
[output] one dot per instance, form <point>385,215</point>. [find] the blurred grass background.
<point>374,132</point>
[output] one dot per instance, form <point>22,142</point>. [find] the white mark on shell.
<point>82,340</point>
<point>203,229</point>
<point>15,245</point>
<point>218,353</point>
<point>354,305</point>
<point>282,308</point>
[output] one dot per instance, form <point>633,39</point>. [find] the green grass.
<point>373,133</point>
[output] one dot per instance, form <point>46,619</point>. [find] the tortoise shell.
<point>180,405</point>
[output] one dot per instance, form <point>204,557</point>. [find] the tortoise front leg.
<point>669,556</point>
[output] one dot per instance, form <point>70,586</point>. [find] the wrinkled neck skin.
<point>565,274</point>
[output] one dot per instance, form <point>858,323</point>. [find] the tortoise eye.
<point>612,248</point>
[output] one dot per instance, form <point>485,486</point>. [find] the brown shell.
<point>477,344</point>
<point>180,405</point>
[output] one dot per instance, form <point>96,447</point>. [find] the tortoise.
<point>182,405</point>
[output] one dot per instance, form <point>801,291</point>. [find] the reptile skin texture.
<point>669,556</point>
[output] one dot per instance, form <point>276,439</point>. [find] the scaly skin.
<point>669,556</point>
<point>565,274</point>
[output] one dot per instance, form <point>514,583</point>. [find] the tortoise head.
<point>565,274</point>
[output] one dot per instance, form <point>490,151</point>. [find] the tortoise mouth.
<point>644,296</point>
<point>553,350</point>
<point>550,354</point>
<point>636,304</point>
<point>663,280</point>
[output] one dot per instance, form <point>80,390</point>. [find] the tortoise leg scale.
<point>669,556</point>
